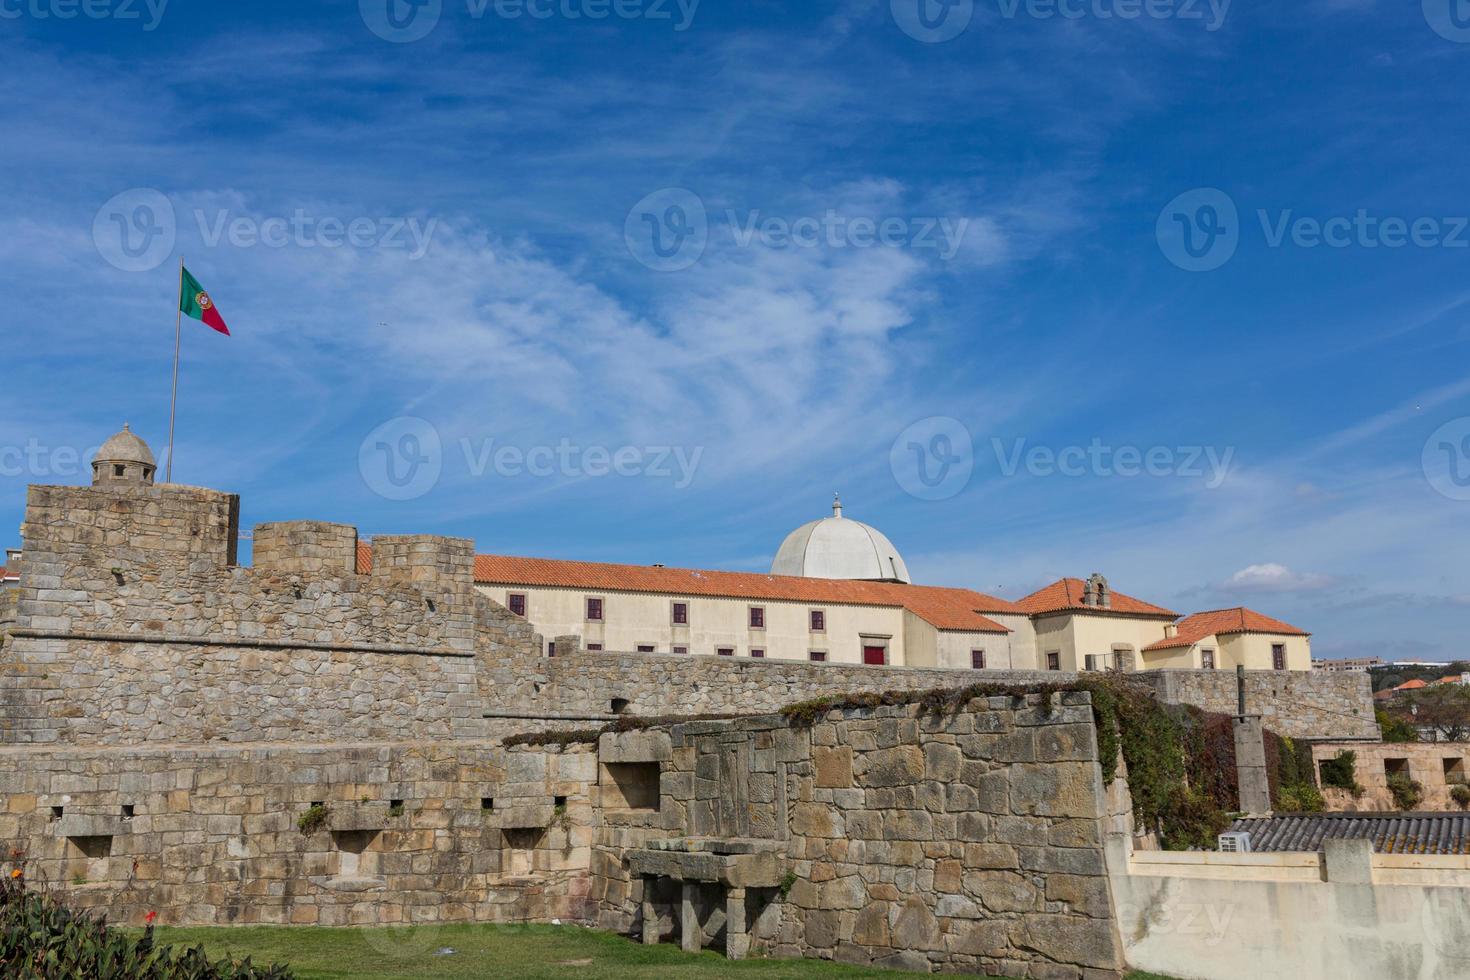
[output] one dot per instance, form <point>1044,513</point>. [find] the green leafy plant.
<point>788,882</point>
<point>396,810</point>
<point>314,819</point>
<point>1340,772</point>
<point>1407,794</point>
<point>42,939</point>
<point>1301,798</point>
<point>1461,795</point>
<point>1394,728</point>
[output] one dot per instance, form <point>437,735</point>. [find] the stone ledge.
<point>31,633</point>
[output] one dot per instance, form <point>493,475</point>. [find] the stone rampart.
<point>966,843</point>
<point>1296,704</point>
<point>422,832</point>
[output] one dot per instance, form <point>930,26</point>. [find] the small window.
<point>57,812</point>
<point>1054,661</point>
<point>1454,771</point>
<point>681,614</point>
<point>119,470</point>
<point>1396,767</point>
<point>1278,656</point>
<point>977,659</point>
<point>819,621</point>
<point>818,656</point>
<point>1207,659</point>
<point>758,654</point>
<point>757,617</point>
<point>517,604</point>
<point>551,648</point>
<point>128,810</point>
<point>681,649</point>
<point>488,802</point>
<point>594,647</point>
<point>559,801</point>
<point>619,705</point>
<point>725,651</point>
<point>594,610</point>
<point>645,648</point>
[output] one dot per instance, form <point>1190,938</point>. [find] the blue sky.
<point>1031,298</point>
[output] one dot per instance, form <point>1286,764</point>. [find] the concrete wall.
<point>1435,766</point>
<point>213,837</point>
<point>1297,704</point>
<point>1345,914</point>
<point>969,843</point>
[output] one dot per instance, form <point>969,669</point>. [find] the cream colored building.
<point>840,592</point>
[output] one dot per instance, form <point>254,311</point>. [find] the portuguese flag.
<point>195,302</point>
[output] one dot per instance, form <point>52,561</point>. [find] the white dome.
<point>836,547</point>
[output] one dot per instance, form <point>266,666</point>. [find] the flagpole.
<point>168,473</point>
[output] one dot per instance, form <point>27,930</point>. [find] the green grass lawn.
<point>561,952</point>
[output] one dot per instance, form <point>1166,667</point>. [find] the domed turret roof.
<point>125,448</point>
<point>838,547</point>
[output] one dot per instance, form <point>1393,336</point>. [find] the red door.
<point>875,656</point>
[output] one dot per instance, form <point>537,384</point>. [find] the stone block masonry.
<point>1298,705</point>
<point>213,836</point>
<point>971,842</point>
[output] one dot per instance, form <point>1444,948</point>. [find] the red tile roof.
<point>1221,622</point>
<point>1412,685</point>
<point>1066,594</point>
<point>945,609</point>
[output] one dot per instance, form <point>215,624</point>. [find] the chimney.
<point>1171,631</point>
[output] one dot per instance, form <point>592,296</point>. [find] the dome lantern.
<point>124,460</point>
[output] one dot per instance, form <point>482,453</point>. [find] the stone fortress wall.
<point>602,684</point>
<point>169,717</point>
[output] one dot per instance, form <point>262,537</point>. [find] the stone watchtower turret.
<point>124,459</point>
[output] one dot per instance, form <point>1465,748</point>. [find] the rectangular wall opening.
<point>1396,767</point>
<point>1454,771</point>
<point>87,858</point>
<point>519,857</point>
<point>630,786</point>
<point>355,857</point>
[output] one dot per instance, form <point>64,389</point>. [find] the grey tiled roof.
<point>1391,833</point>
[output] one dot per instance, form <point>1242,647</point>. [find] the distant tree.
<point>1395,728</point>
<point>1443,707</point>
